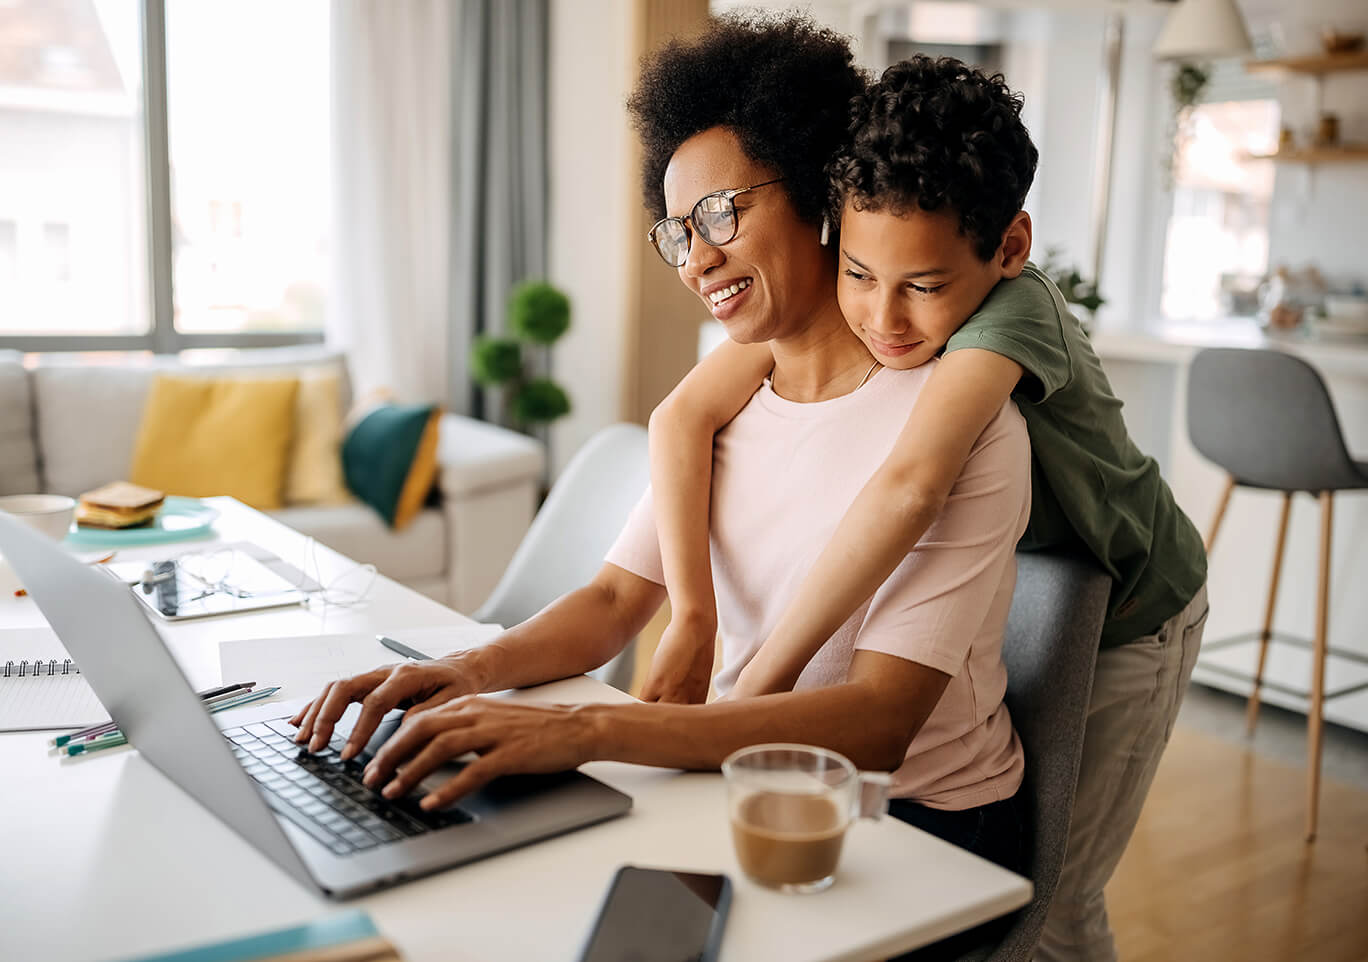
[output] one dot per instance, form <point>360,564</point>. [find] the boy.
<point>933,261</point>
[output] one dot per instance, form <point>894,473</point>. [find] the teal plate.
<point>178,520</point>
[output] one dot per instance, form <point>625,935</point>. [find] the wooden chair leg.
<point>1220,511</point>
<point>1252,708</point>
<point>1315,722</point>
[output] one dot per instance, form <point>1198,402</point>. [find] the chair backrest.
<point>1050,648</point>
<point>565,545</point>
<point>1266,418</point>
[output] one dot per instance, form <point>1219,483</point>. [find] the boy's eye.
<point>925,290</point>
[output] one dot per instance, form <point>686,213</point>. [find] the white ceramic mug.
<point>49,513</point>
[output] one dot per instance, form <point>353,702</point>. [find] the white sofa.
<point>68,424</point>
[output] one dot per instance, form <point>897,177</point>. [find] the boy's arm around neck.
<point>681,444</point>
<point>889,515</point>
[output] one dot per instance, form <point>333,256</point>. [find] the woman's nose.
<point>702,258</point>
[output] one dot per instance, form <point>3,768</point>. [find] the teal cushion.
<point>389,459</point>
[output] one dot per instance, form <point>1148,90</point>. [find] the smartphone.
<point>658,915</point>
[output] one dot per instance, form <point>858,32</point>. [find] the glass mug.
<point>790,806</point>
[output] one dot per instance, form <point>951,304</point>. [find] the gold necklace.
<point>866,377</point>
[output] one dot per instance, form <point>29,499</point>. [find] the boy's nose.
<point>888,321</point>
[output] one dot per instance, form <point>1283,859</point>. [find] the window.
<point>73,223</point>
<point>1216,241</point>
<point>247,126</point>
<point>164,177</point>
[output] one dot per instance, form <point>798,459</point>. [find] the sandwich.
<point>118,505</point>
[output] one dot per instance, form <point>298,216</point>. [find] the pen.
<point>226,689</point>
<point>111,739</point>
<point>209,695</point>
<point>402,648</point>
<point>243,698</point>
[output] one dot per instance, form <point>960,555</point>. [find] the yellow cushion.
<point>201,437</point>
<point>314,474</point>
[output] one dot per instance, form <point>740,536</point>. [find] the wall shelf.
<point>1347,153</point>
<point>1317,65</point>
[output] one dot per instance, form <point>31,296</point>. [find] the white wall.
<point>1318,214</point>
<point>590,78</point>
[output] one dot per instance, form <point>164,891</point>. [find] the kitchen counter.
<point>1148,371</point>
<point>1174,343</point>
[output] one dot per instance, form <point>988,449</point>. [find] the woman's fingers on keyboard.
<point>308,716</point>
<point>338,696</point>
<point>398,684</point>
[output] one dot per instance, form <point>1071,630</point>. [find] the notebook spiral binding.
<point>38,667</point>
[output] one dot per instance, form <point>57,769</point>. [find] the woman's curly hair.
<point>781,83</point>
<point>936,133</point>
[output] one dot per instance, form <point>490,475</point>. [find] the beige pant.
<point>1135,699</point>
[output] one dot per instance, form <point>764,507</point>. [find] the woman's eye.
<point>855,275</point>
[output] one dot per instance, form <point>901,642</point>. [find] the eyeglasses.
<point>713,219</point>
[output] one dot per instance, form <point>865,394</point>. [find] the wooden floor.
<point>1217,869</point>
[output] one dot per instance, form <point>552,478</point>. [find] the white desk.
<point>103,858</point>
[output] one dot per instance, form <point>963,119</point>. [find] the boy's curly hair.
<point>781,83</point>
<point>933,134</point>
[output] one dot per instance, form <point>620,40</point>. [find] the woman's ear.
<point>1016,245</point>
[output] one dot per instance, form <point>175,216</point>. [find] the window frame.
<point>162,338</point>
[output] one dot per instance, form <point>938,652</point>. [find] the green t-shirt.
<point>1091,488</point>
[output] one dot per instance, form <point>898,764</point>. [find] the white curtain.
<point>390,300</point>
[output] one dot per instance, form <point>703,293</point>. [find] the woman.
<point>912,683</point>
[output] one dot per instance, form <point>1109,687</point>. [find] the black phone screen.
<point>656,915</point>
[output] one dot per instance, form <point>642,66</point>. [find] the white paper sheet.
<point>301,666</point>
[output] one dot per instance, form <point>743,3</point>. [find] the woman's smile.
<point>725,299</point>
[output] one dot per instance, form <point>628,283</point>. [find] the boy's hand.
<point>681,670</point>
<point>750,683</point>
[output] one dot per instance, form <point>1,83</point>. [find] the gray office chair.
<point>1267,419</point>
<point>565,545</point>
<point>1050,648</point>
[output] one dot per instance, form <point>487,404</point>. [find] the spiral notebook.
<point>41,689</point>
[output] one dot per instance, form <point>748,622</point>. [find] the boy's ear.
<point>1016,245</point>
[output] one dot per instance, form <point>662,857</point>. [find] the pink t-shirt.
<point>783,476</point>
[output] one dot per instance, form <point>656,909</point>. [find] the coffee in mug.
<point>790,807</point>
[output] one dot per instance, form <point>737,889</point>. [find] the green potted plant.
<point>538,314</point>
<point>1072,284</point>
<point>1186,86</point>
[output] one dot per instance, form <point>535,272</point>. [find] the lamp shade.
<point>1202,30</point>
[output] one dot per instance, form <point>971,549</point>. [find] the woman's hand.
<point>509,738</point>
<point>413,685</point>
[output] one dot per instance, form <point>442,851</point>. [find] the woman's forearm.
<point>575,634</point>
<point>870,719</point>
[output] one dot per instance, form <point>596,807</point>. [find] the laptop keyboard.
<point>323,795</point>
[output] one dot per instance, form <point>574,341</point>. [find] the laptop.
<point>306,812</point>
